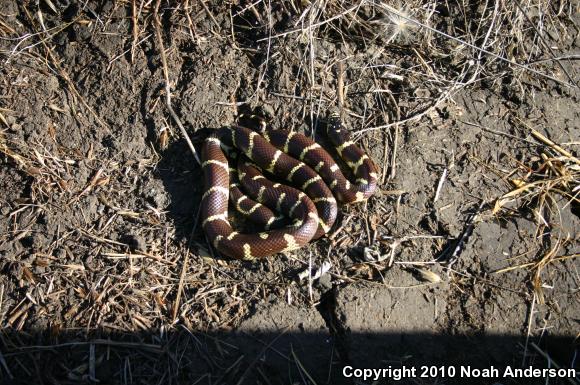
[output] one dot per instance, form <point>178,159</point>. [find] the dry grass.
<point>550,184</point>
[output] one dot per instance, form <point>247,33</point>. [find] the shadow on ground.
<point>266,357</point>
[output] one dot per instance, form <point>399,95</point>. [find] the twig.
<point>184,266</point>
<point>127,50</point>
<point>565,57</point>
<point>396,242</point>
<point>385,155</point>
<point>302,368</point>
<point>153,347</point>
<point>524,265</point>
<point>449,93</point>
<point>135,29</point>
<point>440,185</point>
<point>530,317</point>
<point>556,147</point>
<point>249,6</point>
<point>204,5</point>
<point>310,276</point>
<point>393,170</point>
<point>180,287</point>
<point>190,22</point>
<point>1,303</point>
<point>265,64</point>
<point>340,84</point>
<point>167,86</point>
<point>136,256</point>
<point>496,132</point>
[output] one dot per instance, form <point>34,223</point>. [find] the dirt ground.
<point>467,254</point>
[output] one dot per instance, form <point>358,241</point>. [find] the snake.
<point>316,185</point>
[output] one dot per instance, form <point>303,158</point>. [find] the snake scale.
<point>319,185</point>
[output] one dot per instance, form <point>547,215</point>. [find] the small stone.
<point>325,282</point>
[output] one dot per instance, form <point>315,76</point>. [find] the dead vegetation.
<point>544,186</point>
<point>90,247</point>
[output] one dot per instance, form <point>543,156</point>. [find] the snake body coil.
<point>291,156</point>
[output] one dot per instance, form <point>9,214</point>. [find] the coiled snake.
<point>290,156</point>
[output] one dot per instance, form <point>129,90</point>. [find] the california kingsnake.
<point>290,156</point>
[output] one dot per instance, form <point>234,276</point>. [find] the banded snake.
<point>291,156</point>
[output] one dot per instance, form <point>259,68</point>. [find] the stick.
<point>340,84</point>
<point>393,171</point>
<point>1,303</point>
<point>167,87</point>
<point>302,368</point>
<point>190,23</point>
<point>184,267</point>
<point>556,147</point>
<point>180,288</point>
<point>530,318</point>
<point>121,344</point>
<point>209,14</point>
<point>440,185</point>
<point>135,29</point>
<point>385,154</point>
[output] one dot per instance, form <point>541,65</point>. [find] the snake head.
<point>333,121</point>
<point>254,122</point>
<point>200,134</point>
